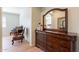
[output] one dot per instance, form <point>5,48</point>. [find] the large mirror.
<point>56,19</point>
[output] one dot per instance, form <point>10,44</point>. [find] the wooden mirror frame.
<point>66,20</point>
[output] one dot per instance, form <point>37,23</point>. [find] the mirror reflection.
<point>54,20</point>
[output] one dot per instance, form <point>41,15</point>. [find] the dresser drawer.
<point>60,42</point>
<point>59,36</point>
<point>65,44</point>
<point>41,45</point>
<point>62,49</point>
<point>51,49</point>
<point>40,36</point>
<point>55,48</point>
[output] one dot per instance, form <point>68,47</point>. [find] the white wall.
<point>30,17</point>
<point>0,29</point>
<point>73,17</point>
<point>36,17</point>
<point>25,20</point>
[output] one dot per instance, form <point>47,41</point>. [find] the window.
<point>48,21</point>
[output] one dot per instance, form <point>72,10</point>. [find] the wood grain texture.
<point>55,41</point>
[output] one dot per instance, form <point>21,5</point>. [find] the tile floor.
<point>18,46</point>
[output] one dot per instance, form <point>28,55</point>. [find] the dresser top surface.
<point>60,33</point>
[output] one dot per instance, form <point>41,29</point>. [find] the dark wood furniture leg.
<point>12,42</point>
<point>17,38</point>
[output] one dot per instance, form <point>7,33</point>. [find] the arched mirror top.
<point>56,19</point>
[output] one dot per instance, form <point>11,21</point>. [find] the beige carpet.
<point>18,46</point>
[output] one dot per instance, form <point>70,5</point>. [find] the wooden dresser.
<point>50,41</point>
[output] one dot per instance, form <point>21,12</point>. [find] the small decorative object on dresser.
<point>55,36</point>
<point>39,27</point>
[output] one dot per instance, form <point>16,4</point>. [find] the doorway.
<point>9,21</point>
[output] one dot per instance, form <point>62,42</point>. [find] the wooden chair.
<point>18,35</point>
